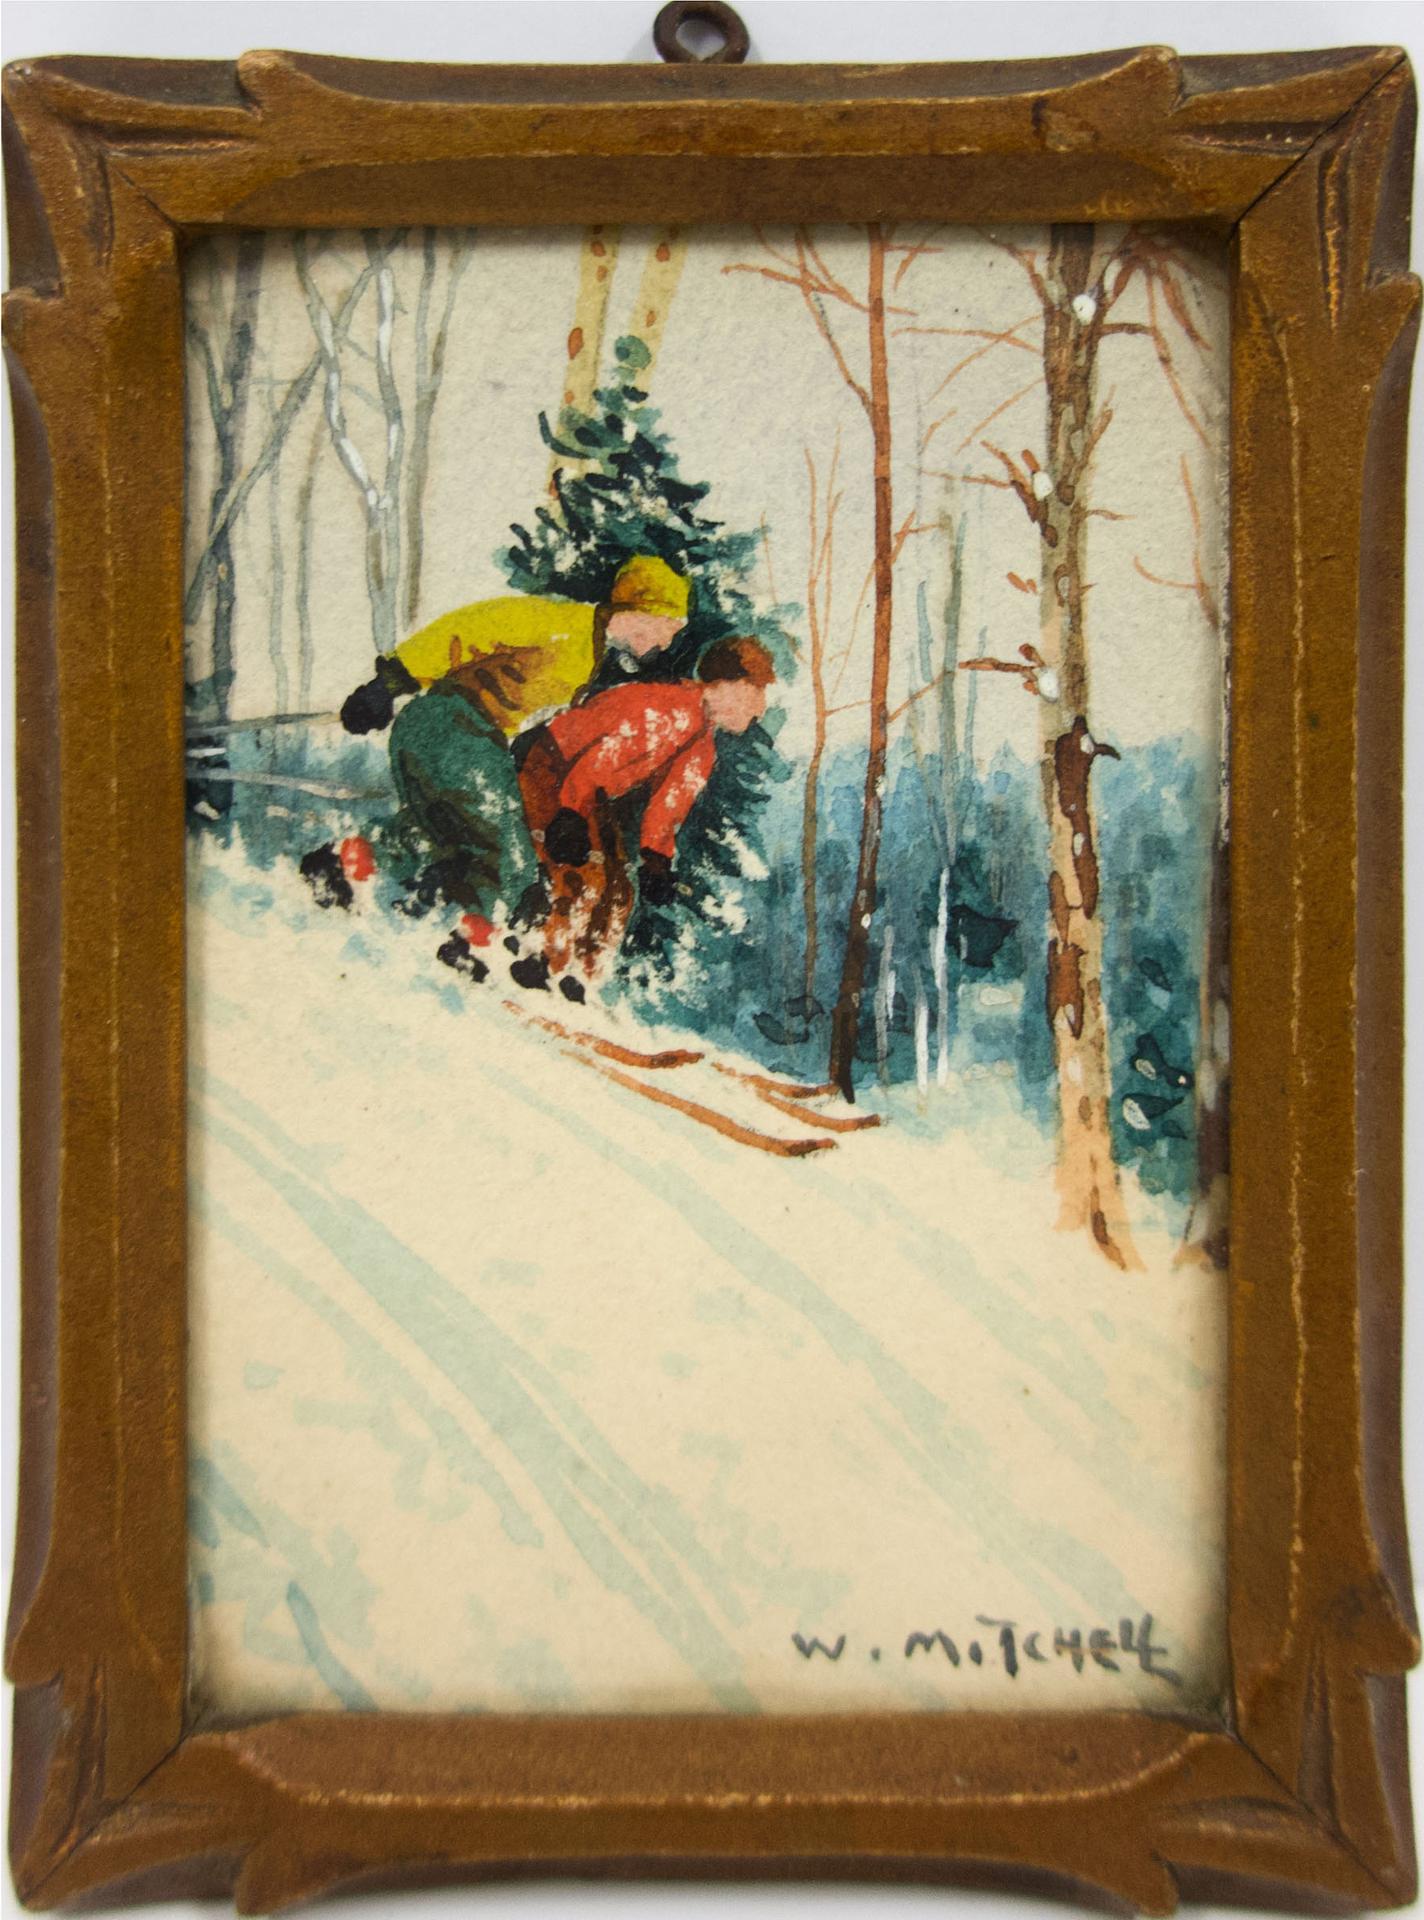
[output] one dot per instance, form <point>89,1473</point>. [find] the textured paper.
<point>514,1390</point>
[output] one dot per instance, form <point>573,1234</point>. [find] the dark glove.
<point>370,708</point>
<point>532,907</point>
<point>566,839</point>
<point>656,881</point>
<point>523,744</point>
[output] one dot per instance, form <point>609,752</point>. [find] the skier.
<point>662,737</point>
<point>480,675</point>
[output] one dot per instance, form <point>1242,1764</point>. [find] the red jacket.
<point>629,735</point>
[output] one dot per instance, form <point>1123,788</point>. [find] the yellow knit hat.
<point>646,584</point>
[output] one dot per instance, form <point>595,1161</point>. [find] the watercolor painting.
<point>707,942</point>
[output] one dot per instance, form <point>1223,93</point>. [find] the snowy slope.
<point>513,1390</point>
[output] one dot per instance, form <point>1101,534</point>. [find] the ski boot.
<point>458,952</point>
<point>334,871</point>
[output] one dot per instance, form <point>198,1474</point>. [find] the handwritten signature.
<point>1013,1648</point>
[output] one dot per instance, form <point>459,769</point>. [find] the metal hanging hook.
<point>715,15</point>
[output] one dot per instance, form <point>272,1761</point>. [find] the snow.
<point>515,1390</point>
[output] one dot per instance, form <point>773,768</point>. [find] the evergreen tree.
<point>627,496</point>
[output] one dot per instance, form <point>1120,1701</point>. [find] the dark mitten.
<point>531,972</point>
<point>371,707</point>
<point>368,709</point>
<point>532,907</point>
<point>566,839</point>
<point>657,882</point>
<point>324,874</point>
<point>523,744</point>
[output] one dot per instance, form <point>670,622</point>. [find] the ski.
<point>788,1089</point>
<point>721,1123</point>
<point>608,1049</point>
<point>796,1110</point>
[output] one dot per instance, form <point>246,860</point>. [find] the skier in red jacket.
<point>662,737</point>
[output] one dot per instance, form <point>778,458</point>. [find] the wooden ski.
<point>705,1116</point>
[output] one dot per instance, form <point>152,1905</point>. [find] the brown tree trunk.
<point>1089,1188</point>
<point>845,1021</point>
<point>810,823</point>
<point>818,610</point>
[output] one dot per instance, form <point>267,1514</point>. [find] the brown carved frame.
<point>1303,160</point>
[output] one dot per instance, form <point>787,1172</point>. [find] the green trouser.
<point>461,825</point>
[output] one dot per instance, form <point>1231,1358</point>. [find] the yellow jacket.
<point>525,658</point>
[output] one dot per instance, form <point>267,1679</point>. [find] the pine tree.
<point>623,494</point>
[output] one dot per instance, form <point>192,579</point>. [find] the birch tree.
<point>227,371</point>
<point>229,502</point>
<point>379,497</point>
<point>430,353</point>
<point>277,580</point>
<point>1077,288</point>
<point>662,271</point>
<point>598,260</point>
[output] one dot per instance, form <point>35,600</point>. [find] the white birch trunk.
<point>379,500</point>
<point>598,259</point>
<point>429,375</point>
<point>661,274</point>
<point>922,1037</point>
<point>939,954</point>
<point>885,1005</point>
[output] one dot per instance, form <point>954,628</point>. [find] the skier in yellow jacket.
<point>481,675</point>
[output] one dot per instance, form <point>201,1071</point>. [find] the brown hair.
<point>738,659</point>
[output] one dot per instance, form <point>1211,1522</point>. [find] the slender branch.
<point>1169,369</point>
<point>1027,261</point>
<point>1003,407</point>
<point>823,326</point>
<point>805,238</point>
<point>198,339</point>
<point>1020,483</point>
<point>234,501</point>
<point>327,347</point>
<point>1160,580</point>
<point>915,252</point>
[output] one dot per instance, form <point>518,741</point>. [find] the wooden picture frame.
<point>1301,1798</point>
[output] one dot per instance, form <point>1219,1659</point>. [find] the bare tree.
<point>1077,288</point>
<point>227,369</point>
<point>230,503</point>
<point>819,574</point>
<point>806,269</point>
<point>380,499</point>
<point>277,578</point>
<point>306,529</point>
<point>429,374</point>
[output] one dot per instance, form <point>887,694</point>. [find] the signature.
<point>1014,1648</point>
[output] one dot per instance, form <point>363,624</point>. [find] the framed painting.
<point>711,942</point>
